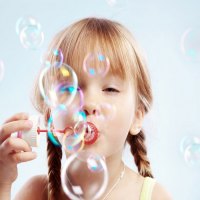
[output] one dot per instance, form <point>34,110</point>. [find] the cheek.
<point>120,125</point>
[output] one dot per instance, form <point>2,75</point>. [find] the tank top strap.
<point>147,188</point>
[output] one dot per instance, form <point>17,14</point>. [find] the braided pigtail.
<point>139,152</point>
<point>54,156</point>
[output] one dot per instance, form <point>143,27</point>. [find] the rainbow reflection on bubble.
<point>52,58</point>
<point>73,142</point>
<point>22,22</point>
<point>59,92</point>
<point>30,32</point>
<point>96,64</point>
<point>190,148</point>
<point>84,176</point>
<point>190,44</point>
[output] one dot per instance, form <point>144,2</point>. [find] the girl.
<point>126,86</point>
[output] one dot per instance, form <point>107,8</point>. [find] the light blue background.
<point>158,27</point>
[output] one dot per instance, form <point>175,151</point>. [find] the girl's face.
<point>109,103</point>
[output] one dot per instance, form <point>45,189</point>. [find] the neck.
<point>115,167</point>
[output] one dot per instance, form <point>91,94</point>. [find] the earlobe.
<point>137,122</point>
<point>134,131</point>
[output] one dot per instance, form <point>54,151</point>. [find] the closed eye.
<point>111,90</point>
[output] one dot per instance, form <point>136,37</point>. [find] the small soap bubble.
<point>60,91</point>
<point>192,155</point>
<point>30,32</point>
<point>190,149</point>
<point>72,142</point>
<point>25,21</point>
<point>52,58</point>
<point>31,37</point>
<point>84,176</point>
<point>96,64</point>
<point>190,44</point>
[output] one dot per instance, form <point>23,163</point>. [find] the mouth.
<point>91,134</point>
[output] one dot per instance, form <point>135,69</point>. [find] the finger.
<point>18,116</point>
<point>13,145</point>
<point>7,129</point>
<point>23,157</point>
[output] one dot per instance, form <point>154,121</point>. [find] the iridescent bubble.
<point>31,37</point>
<point>25,21</point>
<point>187,141</point>
<point>84,176</point>
<point>190,44</point>
<point>64,121</point>
<point>72,142</point>
<point>52,58</point>
<point>50,133</point>
<point>96,64</point>
<point>62,89</point>
<point>190,148</point>
<point>2,70</point>
<point>94,164</point>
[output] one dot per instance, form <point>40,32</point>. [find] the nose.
<point>90,105</point>
<point>90,108</point>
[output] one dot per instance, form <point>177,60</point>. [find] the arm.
<point>160,193</point>
<point>34,188</point>
<point>5,191</point>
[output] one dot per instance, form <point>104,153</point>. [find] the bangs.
<point>94,46</point>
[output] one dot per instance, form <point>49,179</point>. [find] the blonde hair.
<point>117,43</point>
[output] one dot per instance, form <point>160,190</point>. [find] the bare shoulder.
<point>159,192</point>
<point>34,188</point>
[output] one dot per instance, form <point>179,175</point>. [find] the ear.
<point>136,125</point>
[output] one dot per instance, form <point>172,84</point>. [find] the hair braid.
<point>54,156</point>
<point>139,152</point>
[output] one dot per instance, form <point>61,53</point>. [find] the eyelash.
<point>112,90</point>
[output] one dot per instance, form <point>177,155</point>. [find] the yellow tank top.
<point>147,188</point>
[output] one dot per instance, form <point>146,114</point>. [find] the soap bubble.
<point>31,37</point>
<point>96,64</point>
<point>68,126</point>
<point>25,21</point>
<point>84,176</point>
<point>2,69</point>
<point>190,44</point>
<point>30,33</point>
<point>61,89</point>
<point>73,141</point>
<point>52,58</point>
<point>192,155</point>
<point>190,148</point>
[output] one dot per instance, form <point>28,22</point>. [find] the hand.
<point>13,150</point>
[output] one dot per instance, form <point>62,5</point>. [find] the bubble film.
<point>61,90</point>
<point>84,176</point>
<point>25,21</point>
<point>31,37</point>
<point>190,148</point>
<point>52,58</point>
<point>190,44</point>
<point>96,64</point>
